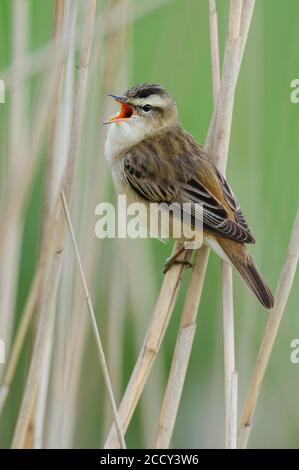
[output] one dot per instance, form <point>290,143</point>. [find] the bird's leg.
<point>173,260</point>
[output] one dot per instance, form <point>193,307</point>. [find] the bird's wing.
<point>232,201</point>
<point>187,177</point>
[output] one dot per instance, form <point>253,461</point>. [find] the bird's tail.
<point>245,265</point>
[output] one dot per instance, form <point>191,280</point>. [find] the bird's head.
<point>144,110</point>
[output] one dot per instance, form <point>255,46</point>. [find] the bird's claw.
<point>169,263</point>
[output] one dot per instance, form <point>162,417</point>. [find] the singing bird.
<point>154,160</point>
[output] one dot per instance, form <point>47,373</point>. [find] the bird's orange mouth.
<point>126,110</point>
<point>125,113</point>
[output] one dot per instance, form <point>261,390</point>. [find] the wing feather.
<point>159,179</point>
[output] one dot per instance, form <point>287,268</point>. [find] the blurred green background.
<point>170,45</point>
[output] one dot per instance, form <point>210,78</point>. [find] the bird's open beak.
<point>125,112</point>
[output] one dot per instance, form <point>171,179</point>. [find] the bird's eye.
<point>146,108</point>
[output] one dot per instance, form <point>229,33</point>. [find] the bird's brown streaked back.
<point>171,167</point>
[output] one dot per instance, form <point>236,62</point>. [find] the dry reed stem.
<point>177,374</point>
<point>34,291</point>
<point>51,185</point>
<point>237,37</point>
<point>213,17</point>
<point>44,56</point>
<point>159,322</point>
<point>138,294</point>
<point>218,147</point>
<point>70,325</point>
<point>186,334</point>
<point>115,53</point>
<point>46,319</point>
<point>118,57</point>
<point>180,361</point>
<point>95,328</point>
<point>63,403</point>
<point>27,144</point>
<point>27,315</point>
<point>36,425</point>
<point>28,311</point>
<point>230,375</point>
<point>232,419</point>
<point>116,317</point>
<point>10,258</point>
<point>64,22</point>
<point>230,75</point>
<point>34,62</point>
<point>282,294</point>
<point>19,339</point>
<point>33,294</point>
<point>246,15</point>
<point>16,197</point>
<point>239,21</point>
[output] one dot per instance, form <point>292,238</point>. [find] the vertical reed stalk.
<point>44,57</point>
<point>271,330</point>
<point>12,240</point>
<point>214,41</point>
<point>181,357</point>
<point>101,353</point>
<point>27,315</point>
<point>64,25</point>
<point>183,348</point>
<point>46,319</point>
<point>159,322</point>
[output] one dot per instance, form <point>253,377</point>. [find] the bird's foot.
<point>170,262</point>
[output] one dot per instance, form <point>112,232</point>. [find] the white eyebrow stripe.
<point>153,100</point>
